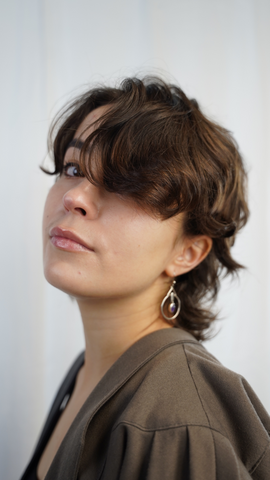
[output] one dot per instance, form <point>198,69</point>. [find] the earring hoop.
<point>173,308</point>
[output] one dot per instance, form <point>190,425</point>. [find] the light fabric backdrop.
<point>218,51</point>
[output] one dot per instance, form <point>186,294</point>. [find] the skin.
<point>119,286</point>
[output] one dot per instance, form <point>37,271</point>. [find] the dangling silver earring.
<point>175,303</point>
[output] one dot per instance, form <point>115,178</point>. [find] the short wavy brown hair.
<point>155,145</point>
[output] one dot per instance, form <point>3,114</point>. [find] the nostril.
<point>81,210</point>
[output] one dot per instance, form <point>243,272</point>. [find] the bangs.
<point>136,154</point>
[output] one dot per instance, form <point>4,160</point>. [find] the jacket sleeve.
<point>179,453</point>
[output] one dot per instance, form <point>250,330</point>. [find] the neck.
<point>111,326</point>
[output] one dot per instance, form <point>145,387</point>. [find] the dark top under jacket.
<point>166,410</point>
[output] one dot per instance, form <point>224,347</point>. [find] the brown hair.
<point>155,145</point>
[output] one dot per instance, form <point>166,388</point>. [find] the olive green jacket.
<point>167,409</point>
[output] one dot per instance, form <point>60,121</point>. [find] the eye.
<point>72,169</point>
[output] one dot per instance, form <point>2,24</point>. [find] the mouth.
<point>67,240</point>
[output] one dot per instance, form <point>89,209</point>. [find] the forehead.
<point>87,127</point>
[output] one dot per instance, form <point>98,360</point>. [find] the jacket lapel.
<point>65,465</point>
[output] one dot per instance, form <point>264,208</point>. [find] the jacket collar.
<point>67,459</point>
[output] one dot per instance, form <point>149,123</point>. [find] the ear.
<point>189,253</point>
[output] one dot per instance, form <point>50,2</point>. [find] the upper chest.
<point>65,421</point>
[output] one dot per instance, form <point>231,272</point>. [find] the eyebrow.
<point>76,143</point>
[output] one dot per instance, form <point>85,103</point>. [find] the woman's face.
<point>99,244</point>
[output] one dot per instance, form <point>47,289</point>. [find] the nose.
<point>82,199</point>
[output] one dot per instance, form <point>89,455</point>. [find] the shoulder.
<point>186,395</point>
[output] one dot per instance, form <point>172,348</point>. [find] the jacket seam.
<point>169,427</point>
<point>257,463</point>
<point>202,408</point>
<point>185,425</point>
<point>260,459</point>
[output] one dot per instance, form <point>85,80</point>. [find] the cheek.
<point>53,205</point>
<point>53,209</point>
<point>141,245</point>
<point>46,213</point>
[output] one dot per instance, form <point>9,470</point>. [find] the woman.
<point>138,227</point>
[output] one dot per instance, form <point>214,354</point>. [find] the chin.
<point>65,278</point>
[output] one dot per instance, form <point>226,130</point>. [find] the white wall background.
<point>218,51</point>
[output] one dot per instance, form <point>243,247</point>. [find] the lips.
<point>67,240</point>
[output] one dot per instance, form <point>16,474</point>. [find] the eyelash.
<point>72,164</point>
